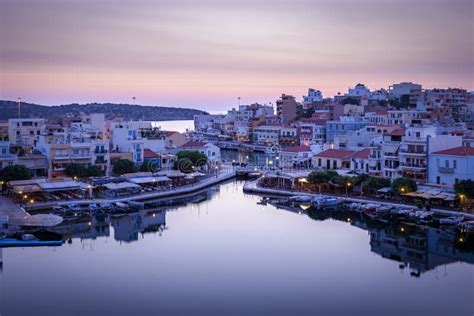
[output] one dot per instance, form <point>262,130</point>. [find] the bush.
<point>15,172</point>
<point>124,166</point>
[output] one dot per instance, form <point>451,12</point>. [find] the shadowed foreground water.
<point>227,255</point>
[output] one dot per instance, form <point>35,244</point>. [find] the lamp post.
<point>90,191</point>
<point>348,185</point>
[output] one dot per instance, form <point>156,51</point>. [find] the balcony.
<point>410,152</point>
<point>100,161</point>
<point>413,165</point>
<point>82,156</point>
<point>61,157</point>
<point>446,170</point>
<point>101,151</point>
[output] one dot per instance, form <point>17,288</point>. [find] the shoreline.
<point>251,187</point>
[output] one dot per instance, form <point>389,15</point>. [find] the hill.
<point>9,109</point>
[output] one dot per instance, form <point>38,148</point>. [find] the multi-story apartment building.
<point>286,108</point>
<point>407,117</point>
<point>126,138</point>
<point>313,96</point>
<point>312,131</point>
<point>6,157</point>
<point>24,132</point>
<point>345,124</point>
<point>267,135</point>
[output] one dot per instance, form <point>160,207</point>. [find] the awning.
<point>59,186</point>
<point>385,190</point>
<point>27,188</point>
<point>142,180</point>
<point>390,148</point>
<point>121,186</point>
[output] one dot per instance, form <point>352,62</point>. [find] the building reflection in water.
<point>128,227</point>
<point>420,248</point>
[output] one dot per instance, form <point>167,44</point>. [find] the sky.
<point>206,54</point>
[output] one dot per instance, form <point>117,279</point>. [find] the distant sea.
<point>178,126</point>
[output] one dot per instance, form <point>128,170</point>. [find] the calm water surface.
<point>230,255</point>
<point>178,126</point>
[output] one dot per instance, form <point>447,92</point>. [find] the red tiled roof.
<point>396,132</point>
<point>458,151</point>
<point>336,153</point>
<point>362,154</point>
<point>149,154</point>
<point>192,144</point>
<point>297,149</point>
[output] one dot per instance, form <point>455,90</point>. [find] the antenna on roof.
<point>238,101</point>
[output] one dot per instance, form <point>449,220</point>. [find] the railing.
<point>416,152</point>
<point>446,170</point>
<point>413,165</point>
<point>101,151</point>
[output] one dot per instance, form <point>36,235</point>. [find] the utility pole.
<point>19,107</point>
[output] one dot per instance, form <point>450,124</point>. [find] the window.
<point>455,164</point>
<point>438,180</point>
<point>446,163</point>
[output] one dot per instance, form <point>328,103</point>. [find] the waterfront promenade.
<point>172,192</point>
<point>252,187</point>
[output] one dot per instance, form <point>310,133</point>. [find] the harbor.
<point>268,232</point>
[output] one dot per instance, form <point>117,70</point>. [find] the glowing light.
<point>402,229</point>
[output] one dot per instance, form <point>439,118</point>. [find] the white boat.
<point>452,220</point>
<point>301,198</point>
<point>121,206</point>
<point>422,216</point>
<point>325,201</point>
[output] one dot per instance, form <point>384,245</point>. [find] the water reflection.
<point>131,226</point>
<point>419,248</point>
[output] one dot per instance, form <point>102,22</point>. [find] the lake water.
<point>178,126</point>
<point>228,255</point>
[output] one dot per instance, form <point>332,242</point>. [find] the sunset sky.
<point>205,55</point>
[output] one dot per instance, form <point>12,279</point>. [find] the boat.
<point>355,207</point>
<point>400,212</point>
<point>12,242</point>
<point>3,226</point>
<point>325,202</point>
<point>467,227</point>
<point>301,198</point>
<point>121,206</point>
<point>452,220</point>
<point>422,217</point>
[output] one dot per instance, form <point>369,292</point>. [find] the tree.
<point>465,188</point>
<point>122,166</point>
<point>94,171</point>
<point>372,184</point>
<point>350,100</point>
<point>15,172</point>
<point>187,159</point>
<point>318,178</point>
<point>75,170</point>
<point>404,185</point>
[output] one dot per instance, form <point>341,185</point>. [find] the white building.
<point>267,135</point>
<point>212,152</point>
<point>295,156</point>
<point>126,138</point>
<point>404,88</point>
<point>6,158</point>
<point>313,96</point>
<point>358,91</point>
<point>446,167</point>
<point>25,131</point>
